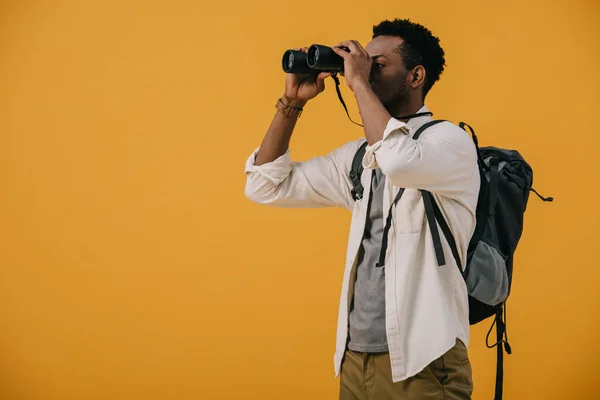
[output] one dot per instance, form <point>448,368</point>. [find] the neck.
<point>412,106</point>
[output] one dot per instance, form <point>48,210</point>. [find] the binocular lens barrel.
<point>319,59</point>
<point>294,62</point>
<point>323,58</point>
<point>313,56</point>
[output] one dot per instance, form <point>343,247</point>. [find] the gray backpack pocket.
<point>487,279</point>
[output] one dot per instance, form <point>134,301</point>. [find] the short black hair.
<point>419,47</point>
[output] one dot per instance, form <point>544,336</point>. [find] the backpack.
<point>506,181</point>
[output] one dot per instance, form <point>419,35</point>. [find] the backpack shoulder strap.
<point>356,172</point>
<point>357,168</point>
<point>433,213</point>
<point>425,126</point>
<point>480,161</point>
<point>447,233</point>
<point>437,243</point>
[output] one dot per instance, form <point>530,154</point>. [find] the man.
<point>403,326</point>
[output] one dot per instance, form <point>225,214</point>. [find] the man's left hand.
<point>357,63</point>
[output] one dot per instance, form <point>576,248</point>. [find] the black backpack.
<point>506,181</point>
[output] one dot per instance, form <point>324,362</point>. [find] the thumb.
<point>321,80</point>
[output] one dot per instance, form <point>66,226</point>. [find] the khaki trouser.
<point>368,376</point>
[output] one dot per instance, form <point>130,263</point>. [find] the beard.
<point>392,97</point>
<point>397,99</point>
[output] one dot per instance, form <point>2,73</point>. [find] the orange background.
<point>133,267</point>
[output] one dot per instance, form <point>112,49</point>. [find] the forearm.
<point>374,115</point>
<point>277,139</point>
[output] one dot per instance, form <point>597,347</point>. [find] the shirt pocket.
<point>410,212</point>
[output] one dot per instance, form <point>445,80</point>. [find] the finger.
<point>359,47</point>
<point>351,45</point>
<point>340,51</point>
<point>321,80</point>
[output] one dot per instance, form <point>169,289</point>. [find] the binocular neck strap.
<point>337,89</point>
<point>415,115</point>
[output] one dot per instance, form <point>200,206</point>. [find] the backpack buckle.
<point>357,194</point>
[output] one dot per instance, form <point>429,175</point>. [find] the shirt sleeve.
<point>443,159</point>
<point>321,181</point>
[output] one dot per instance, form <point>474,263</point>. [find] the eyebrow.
<point>378,55</point>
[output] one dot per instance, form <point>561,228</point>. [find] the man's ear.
<point>417,76</point>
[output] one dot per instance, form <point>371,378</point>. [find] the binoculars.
<point>318,59</point>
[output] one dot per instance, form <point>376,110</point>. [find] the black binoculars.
<point>318,59</point>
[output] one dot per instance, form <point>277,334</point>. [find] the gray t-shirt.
<point>367,309</point>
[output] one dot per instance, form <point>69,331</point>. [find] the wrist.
<point>362,85</point>
<point>291,102</point>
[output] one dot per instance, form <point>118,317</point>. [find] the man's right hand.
<point>299,88</point>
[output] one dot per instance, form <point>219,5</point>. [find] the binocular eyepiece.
<point>318,59</point>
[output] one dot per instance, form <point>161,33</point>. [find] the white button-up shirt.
<point>426,305</point>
